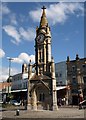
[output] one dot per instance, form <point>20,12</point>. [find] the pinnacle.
<point>43,22</point>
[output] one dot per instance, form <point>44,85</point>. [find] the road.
<point>71,112</point>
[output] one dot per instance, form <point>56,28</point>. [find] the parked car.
<point>82,105</point>
<point>14,102</point>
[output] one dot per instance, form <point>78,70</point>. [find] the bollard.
<point>17,112</point>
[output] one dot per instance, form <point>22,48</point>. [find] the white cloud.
<point>67,39</point>
<point>58,13</point>
<point>35,15</point>
<point>12,31</point>
<point>2,53</point>
<point>19,35</point>
<point>17,60</point>
<point>24,58</point>
<point>28,34</point>
<point>13,19</point>
<point>4,73</point>
<point>5,9</point>
<point>14,42</point>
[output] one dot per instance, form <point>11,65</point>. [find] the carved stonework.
<point>43,82</point>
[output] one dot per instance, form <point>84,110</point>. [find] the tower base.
<point>29,106</point>
<point>55,107</point>
<point>34,107</point>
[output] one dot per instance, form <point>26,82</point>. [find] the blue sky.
<point>19,21</point>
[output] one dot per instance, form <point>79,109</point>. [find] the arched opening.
<point>43,98</point>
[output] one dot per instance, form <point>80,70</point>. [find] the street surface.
<point>64,112</point>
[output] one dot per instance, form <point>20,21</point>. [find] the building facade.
<point>61,73</point>
<point>20,84</point>
<point>76,78</point>
<point>61,80</point>
<point>4,90</point>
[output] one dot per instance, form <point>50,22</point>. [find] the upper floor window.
<point>84,78</point>
<point>83,65</point>
<point>58,74</point>
<point>60,82</point>
<point>73,67</point>
<point>74,81</point>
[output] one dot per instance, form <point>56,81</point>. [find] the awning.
<point>18,90</point>
<point>57,88</point>
<point>61,87</point>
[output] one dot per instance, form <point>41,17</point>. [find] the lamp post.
<point>9,78</point>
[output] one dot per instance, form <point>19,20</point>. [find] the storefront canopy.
<point>19,90</point>
<point>61,87</point>
<point>57,88</point>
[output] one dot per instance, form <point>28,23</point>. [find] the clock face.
<point>40,38</point>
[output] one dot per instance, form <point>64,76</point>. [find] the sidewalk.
<point>69,106</point>
<point>64,113</point>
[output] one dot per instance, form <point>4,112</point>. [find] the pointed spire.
<point>43,21</point>
<point>44,14</point>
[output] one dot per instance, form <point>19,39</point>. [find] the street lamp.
<point>9,78</point>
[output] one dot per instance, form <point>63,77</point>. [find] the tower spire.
<point>44,14</point>
<point>43,21</point>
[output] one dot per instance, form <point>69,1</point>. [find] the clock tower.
<point>42,85</point>
<point>43,46</point>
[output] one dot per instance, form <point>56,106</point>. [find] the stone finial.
<point>77,57</point>
<point>68,59</point>
<point>30,60</point>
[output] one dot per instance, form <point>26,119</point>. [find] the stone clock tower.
<point>43,46</point>
<point>42,85</point>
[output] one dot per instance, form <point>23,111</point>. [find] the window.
<point>56,74</point>
<point>60,82</point>
<point>83,65</point>
<point>60,75</point>
<point>75,91</point>
<point>39,56</point>
<point>84,78</point>
<point>73,68</point>
<point>74,82</point>
<point>18,77</point>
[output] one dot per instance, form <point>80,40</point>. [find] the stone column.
<point>34,100</point>
<point>44,52</point>
<point>38,62</point>
<point>49,49</point>
<point>28,88</point>
<point>55,107</point>
<point>67,95</point>
<point>28,97</point>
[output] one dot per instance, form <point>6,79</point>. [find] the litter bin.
<point>17,112</point>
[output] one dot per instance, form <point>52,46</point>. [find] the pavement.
<point>65,113</point>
